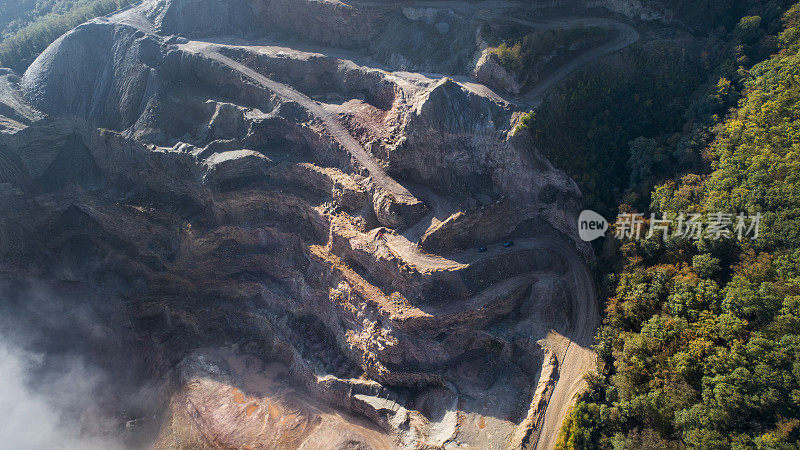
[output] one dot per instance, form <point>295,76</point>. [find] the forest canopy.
<point>700,346</point>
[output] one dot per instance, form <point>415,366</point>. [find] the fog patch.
<point>35,414</point>
<point>70,372</point>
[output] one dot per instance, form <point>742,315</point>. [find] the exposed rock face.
<point>308,206</point>
<point>489,72</point>
<point>202,18</point>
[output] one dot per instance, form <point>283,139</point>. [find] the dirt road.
<point>627,36</point>
<point>579,358</point>
<point>334,127</point>
<point>497,10</point>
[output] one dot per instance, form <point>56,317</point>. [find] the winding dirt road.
<point>627,36</point>
<point>496,10</point>
<point>579,358</point>
<point>332,124</point>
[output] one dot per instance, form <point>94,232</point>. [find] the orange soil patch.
<point>273,411</point>
<point>216,414</point>
<point>251,409</point>
<point>238,397</point>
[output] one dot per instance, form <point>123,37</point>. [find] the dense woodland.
<point>700,345</point>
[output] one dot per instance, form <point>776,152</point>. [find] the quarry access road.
<point>331,122</point>
<point>495,10</point>
<point>627,36</point>
<point>578,358</point>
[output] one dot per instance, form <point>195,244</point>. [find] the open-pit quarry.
<point>303,212</point>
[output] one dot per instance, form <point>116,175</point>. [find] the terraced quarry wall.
<point>311,203</point>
